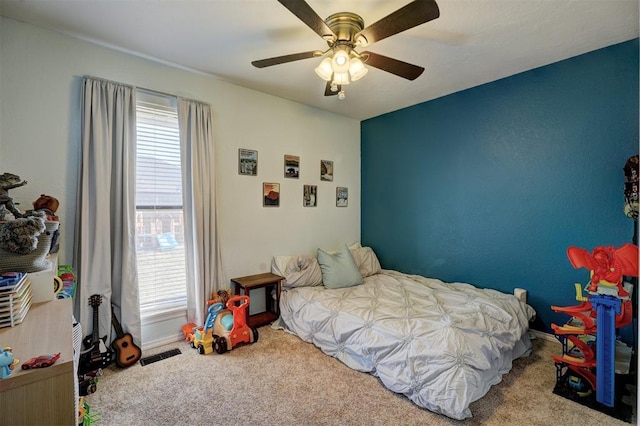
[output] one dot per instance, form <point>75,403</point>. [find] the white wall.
<point>40,76</point>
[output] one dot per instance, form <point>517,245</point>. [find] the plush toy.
<point>9,181</point>
<point>20,236</point>
<point>47,204</point>
<point>221,296</point>
<point>7,362</point>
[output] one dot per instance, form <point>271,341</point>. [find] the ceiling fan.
<point>344,32</point>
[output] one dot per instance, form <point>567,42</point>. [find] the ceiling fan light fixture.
<point>361,41</point>
<point>344,32</point>
<point>325,70</point>
<point>357,69</point>
<point>340,61</point>
<point>341,78</point>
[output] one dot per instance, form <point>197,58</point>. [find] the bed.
<point>442,345</point>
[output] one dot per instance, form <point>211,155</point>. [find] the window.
<point>159,213</point>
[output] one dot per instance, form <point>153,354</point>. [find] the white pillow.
<point>367,261</point>
<point>299,271</point>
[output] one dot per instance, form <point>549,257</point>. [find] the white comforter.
<point>443,345</point>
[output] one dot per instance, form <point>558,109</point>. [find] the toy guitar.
<point>96,355</point>
<point>127,353</point>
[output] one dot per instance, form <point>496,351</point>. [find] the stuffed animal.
<point>221,296</point>
<point>20,236</point>
<point>9,181</point>
<point>7,362</point>
<point>48,204</point>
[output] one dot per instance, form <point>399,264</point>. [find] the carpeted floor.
<point>281,380</point>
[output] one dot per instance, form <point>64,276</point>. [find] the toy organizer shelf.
<point>15,298</point>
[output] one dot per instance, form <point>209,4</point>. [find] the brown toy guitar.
<point>127,353</point>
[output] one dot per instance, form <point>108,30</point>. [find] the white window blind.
<point>159,213</point>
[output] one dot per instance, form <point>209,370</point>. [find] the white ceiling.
<point>471,43</point>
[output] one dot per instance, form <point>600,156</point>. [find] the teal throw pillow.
<point>339,270</point>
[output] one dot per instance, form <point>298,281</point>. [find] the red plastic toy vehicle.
<point>40,361</point>
<point>230,326</point>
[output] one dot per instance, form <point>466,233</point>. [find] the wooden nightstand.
<point>269,282</point>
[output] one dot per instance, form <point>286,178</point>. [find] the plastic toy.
<point>581,354</point>
<point>580,385</point>
<point>7,362</point>
<point>85,416</point>
<point>65,272</point>
<point>187,331</point>
<point>203,338</point>
<point>230,328</point>
<point>88,382</point>
<point>41,361</point>
<point>586,369</point>
<point>607,266</point>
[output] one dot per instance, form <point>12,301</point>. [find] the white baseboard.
<point>544,336</point>
<point>164,341</point>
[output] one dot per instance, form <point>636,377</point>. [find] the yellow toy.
<point>203,336</point>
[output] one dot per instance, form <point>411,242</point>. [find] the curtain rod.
<point>146,90</point>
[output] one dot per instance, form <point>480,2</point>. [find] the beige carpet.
<point>280,380</point>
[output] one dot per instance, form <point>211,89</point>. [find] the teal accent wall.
<point>491,185</point>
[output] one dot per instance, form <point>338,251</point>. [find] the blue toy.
<point>211,317</point>
<point>203,338</point>
<point>7,362</point>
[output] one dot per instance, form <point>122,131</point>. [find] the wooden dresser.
<point>44,395</point>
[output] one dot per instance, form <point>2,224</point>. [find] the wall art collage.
<point>248,165</point>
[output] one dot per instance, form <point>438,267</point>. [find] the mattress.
<point>443,345</point>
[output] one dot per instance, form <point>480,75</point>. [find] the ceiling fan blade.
<point>413,14</point>
<point>394,66</point>
<point>262,63</point>
<point>329,92</point>
<point>306,14</point>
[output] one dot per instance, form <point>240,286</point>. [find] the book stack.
<point>15,298</point>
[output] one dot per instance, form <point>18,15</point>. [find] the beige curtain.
<point>104,249</point>
<point>204,261</point>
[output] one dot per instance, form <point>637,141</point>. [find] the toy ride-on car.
<point>203,338</point>
<point>230,326</point>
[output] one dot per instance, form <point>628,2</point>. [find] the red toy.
<point>41,361</point>
<point>187,331</point>
<point>227,334</point>
<point>586,368</point>
<point>608,265</point>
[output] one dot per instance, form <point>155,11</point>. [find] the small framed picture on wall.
<point>270,194</point>
<point>309,195</point>
<point>247,162</point>
<point>326,170</point>
<point>342,196</point>
<point>291,166</point>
